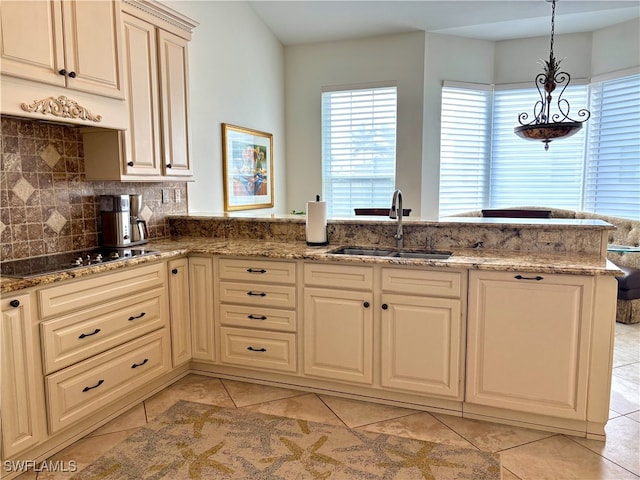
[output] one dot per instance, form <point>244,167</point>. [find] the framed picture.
<point>247,167</point>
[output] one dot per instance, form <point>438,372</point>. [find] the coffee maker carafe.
<point>115,219</point>
<point>139,232</point>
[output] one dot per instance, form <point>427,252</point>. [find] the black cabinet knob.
<point>14,303</point>
<point>62,72</point>
<point>72,74</point>
<point>385,306</point>
<point>365,304</point>
<point>168,165</point>
<point>174,271</point>
<point>130,164</point>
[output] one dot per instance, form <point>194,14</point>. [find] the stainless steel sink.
<point>382,252</point>
<point>424,255</point>
<point>364,251</point>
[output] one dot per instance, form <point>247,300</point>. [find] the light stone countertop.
<point>480,259</point>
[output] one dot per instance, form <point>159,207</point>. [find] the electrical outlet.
<point>165,195</point>
<point>549,237</point>
<point>178,195</point>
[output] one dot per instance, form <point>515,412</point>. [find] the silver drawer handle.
<point>137,316</point>
<point>86,389</point>
<point>136,365</point>
<point>257,349</point>
<point>256,294</point>
<point>256,317</point>
<point>85,335</point>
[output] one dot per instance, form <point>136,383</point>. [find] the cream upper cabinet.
<point>180,311</point>
<point>155,147</point>
<point>174,84</point>
<point>20,413</point>
<point>528,342</point>
<point>70,43</point>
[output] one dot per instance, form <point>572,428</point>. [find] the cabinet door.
<point>20,426</point>
<point>179,307</point>
<point>528,342</point>
<point>72,43</point>
<point>201,302</point>
<point>142,156</point>
<point>338,335</point>
<point>37,55</point>
<point>422,344</point>
<point>92,43</point>
<point>174,94</point>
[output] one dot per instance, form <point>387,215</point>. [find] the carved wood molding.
<point>61,107</point>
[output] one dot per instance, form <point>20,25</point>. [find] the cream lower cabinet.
<point>201,303</point>
<point>257,313</point>
<point>20,415</point>
<point>103,337</point>
<point>528,342</point>
<point>423,331</point>
<point>180,311</point>
<point>338,322</point>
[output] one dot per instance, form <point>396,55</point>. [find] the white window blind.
<point>358,148</point>
<point>613,152</point>
<point>464,148</point>
<point>523,173</point>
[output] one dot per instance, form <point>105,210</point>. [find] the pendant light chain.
<point>553,24</point>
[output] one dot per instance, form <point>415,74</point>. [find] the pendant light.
<point>547,126</point>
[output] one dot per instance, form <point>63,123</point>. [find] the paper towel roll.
<point>316,223</point>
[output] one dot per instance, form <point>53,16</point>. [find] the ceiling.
<point>308,21</point>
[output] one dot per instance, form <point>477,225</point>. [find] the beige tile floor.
<point>526,454</point>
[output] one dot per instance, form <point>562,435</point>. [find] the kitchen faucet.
<point>396,212</point>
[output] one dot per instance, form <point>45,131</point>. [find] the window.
<point>464,149</point>
<point>523,173</point>
<point>613,151</point>
<point>596,170</point>
<point>358,148</point>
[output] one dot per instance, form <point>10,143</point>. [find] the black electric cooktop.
<point>62,262</point>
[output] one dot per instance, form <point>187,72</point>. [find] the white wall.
<point>310,67</point>
<point>616,48</point>
<point>446,58</point>
<point>236,68</point>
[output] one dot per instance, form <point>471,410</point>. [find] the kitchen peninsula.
<point>515,326</point>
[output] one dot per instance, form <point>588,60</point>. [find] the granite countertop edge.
<point>474,259</point>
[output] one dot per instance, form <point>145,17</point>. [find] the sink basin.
<point>364,251</point>
<point>380,252</point>
<point>424,255</point>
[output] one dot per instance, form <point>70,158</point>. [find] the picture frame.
<point>247,168</point>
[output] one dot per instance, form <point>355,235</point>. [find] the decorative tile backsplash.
<point>46,206</point>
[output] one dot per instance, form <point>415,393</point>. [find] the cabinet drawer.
<point>422,282</point>
<point>78,336</point>
<point>91,290</point>
<point>258,294</point>
<point>272,350</point>
<point>338,276</point>
<point>257,270</point>
<point>256,317</point>
<point>78,391</point>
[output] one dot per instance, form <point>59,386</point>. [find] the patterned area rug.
<point>197,441</point>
